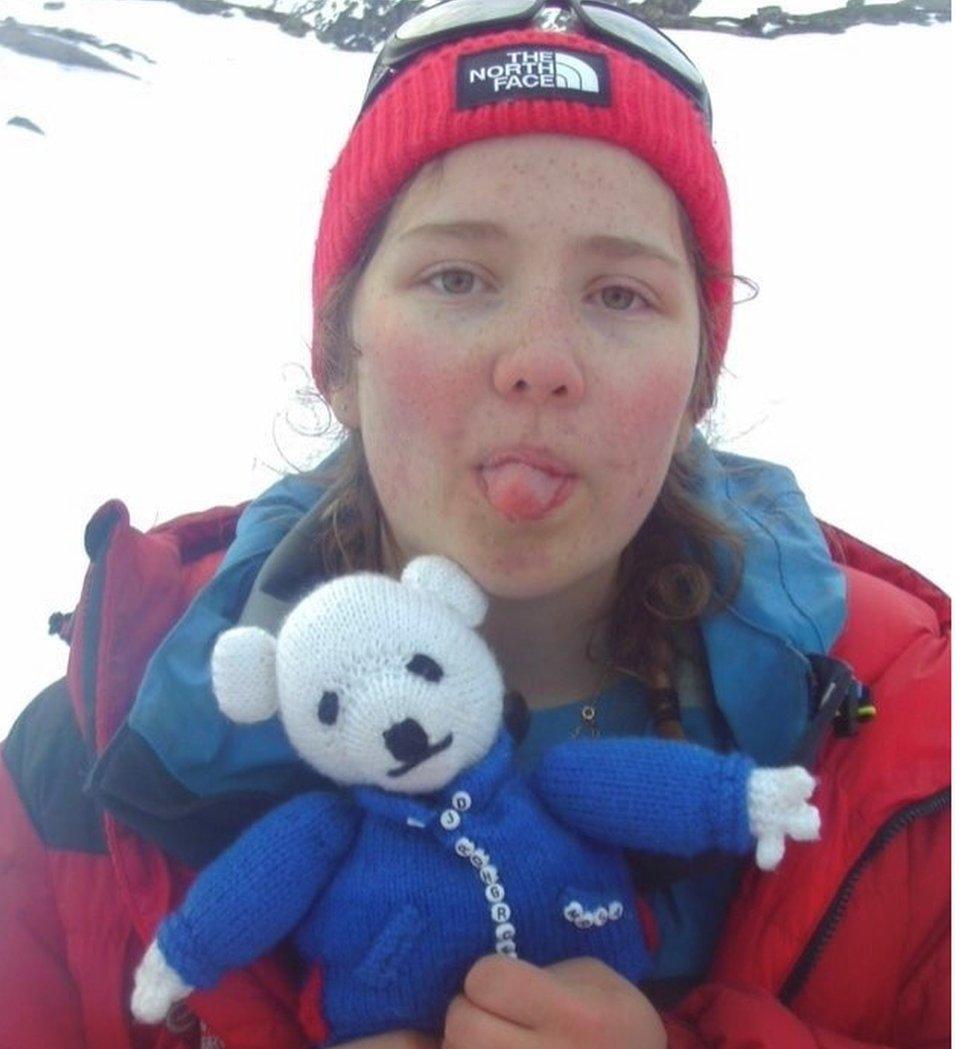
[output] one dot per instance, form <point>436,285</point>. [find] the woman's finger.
<point>516,991</point>
<point>468,1026</point>
<point>393,1040</point>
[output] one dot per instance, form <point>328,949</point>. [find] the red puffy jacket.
<point>846,944</point>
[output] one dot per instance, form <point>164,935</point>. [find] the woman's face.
<point>528,329</point>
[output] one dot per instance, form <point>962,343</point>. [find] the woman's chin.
<point>527,577</point>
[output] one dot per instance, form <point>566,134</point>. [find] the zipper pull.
<point>856,707</point>
<point>837,700</point>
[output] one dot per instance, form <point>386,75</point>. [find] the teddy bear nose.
<point>407,740</point>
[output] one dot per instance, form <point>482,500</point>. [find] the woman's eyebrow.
<point>621,248</point>
<point>467,230</point>
<point>608,245</point>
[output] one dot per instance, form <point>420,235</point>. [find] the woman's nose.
<point>540,371</point>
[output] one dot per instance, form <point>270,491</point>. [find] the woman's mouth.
<point>525,485</point>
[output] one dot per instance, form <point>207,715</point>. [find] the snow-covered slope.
<point>156,239</point>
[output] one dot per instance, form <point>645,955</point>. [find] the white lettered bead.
<point>572,912</point>
<point>495,893</point>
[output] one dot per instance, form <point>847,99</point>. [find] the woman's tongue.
<point>522,492</point>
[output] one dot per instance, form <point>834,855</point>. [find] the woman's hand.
<point>510,1004</point>
<point>393,1040</point>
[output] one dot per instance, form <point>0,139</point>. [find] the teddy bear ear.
<point>243,674</point>
<point>449,582</point>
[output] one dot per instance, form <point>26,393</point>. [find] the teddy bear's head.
<point>376,682</point>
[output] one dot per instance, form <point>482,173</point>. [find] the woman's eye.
<point>454,282</point>
<point>617,297</point>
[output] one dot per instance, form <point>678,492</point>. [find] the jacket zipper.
<point>893,826</point>
<point>89,661</point>
<point>97,545</point>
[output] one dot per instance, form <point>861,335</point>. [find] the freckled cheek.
<point>413,394</point>
<point>415,414</point>
<point>641,431</point>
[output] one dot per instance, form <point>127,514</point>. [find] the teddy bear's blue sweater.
<point>398,895</point>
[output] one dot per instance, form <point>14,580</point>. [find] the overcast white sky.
<point>155,246</point>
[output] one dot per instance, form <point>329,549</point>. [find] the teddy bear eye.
<point>425,667</point>
<point>329,708</point>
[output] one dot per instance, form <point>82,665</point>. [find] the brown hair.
<point>668,573</point>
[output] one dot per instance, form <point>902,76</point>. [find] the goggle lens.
<point>457,17</point>
<point>644,38</point>
<point>663,53</point>
<point>461,14</point>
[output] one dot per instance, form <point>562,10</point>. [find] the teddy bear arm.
<point>676,799</point>
<point>259,889</point>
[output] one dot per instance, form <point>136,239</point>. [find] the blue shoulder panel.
<point>175,710</point>
<point>791,602</point>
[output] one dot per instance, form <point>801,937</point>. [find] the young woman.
<point>523,294</point>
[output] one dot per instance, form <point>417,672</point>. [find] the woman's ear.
<point>344,402</point>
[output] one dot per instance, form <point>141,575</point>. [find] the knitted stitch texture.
<point>658,795</point>
<point>400,887</point>
<point>402,667</point>
<point>776,810</point>
<point>248,899</point>
<point>399,898</point>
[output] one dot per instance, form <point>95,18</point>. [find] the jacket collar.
<point>791,602</point>
<point>217,756</point>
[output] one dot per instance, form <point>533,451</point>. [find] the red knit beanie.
<point>425,112</point>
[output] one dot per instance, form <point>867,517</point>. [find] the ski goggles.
<point>452,19</point>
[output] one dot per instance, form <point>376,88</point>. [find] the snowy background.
<point>156,244</point>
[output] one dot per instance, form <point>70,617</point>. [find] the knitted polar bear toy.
<point>440,851</point>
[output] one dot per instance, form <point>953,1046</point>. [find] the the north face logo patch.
<point>499,76</point>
